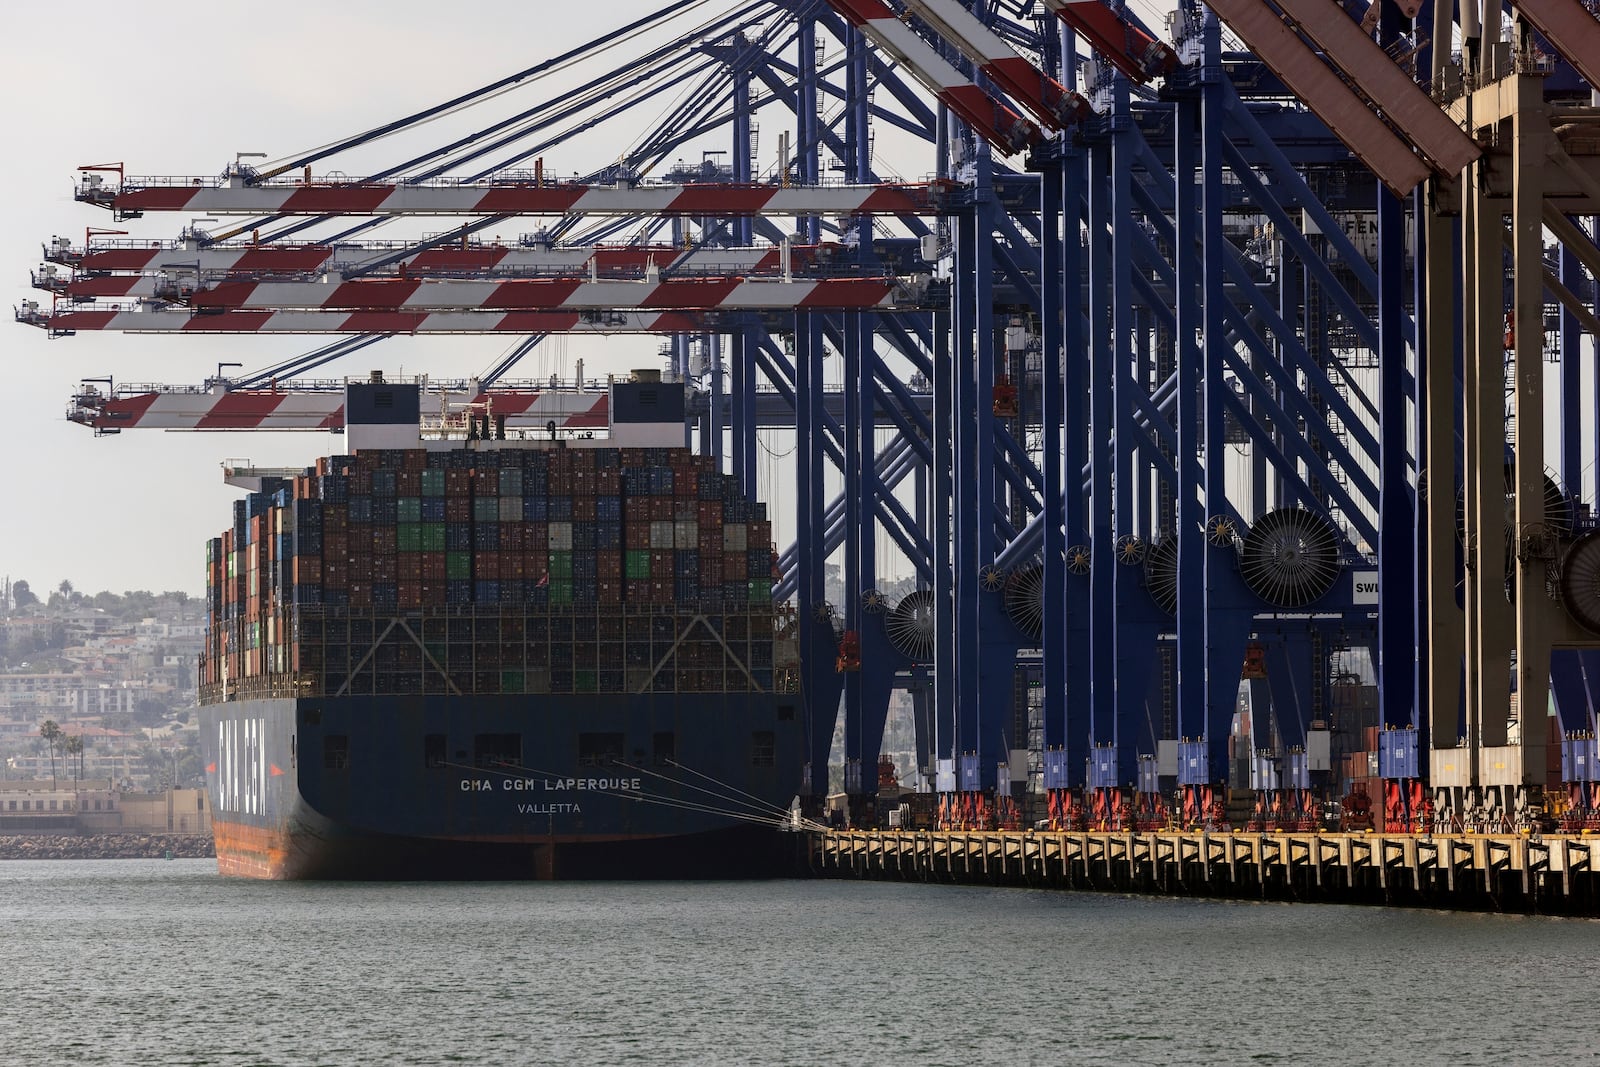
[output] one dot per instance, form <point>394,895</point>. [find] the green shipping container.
<point>433,537</point>
<point>459,565</point>
<point>761,589</point>
<point>486,509</point>
<point>637,563</point>
<point>433,482</point>
<point>408,536</point>
<point>583,681</point>
<point>511,681</point>
<point>410,509</point>
<point>561,590</point>
<point>561,567</point>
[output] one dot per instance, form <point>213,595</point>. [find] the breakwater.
<point>105,846</point>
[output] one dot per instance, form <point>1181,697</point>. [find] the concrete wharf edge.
<point>1549,874</point>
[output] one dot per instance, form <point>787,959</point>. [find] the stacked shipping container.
<point>515,570</point>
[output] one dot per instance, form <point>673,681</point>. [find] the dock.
<point>1514,873</point>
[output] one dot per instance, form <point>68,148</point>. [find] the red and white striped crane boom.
<point>1118,35</point>
<point>988,116</point>
<point>1052,103</point>
<point>476,258</point>
<point>237,192</point>
<point>319,405</point>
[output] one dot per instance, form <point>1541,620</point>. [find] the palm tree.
<point>51,733</point>
<point>74,747</point>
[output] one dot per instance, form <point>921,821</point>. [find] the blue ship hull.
<point>506,786</point>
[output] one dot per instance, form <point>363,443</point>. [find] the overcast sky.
<point>173,94</point>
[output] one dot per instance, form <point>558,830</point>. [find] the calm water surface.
<point>151,962</point>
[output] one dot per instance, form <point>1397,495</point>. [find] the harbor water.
<point>155,962</point>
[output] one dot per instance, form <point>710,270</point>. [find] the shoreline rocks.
<point>105,846</point>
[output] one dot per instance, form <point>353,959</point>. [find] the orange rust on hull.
<point>251,851</point>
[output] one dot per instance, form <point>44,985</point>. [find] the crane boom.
<point>1119,35</point>
<point>136,319</point>
<point>990,118</point>
<point>236,193</point>
<point>320,406</point>
<point>554,294</point>
<point>249,259</point>
<point>1047,99</point>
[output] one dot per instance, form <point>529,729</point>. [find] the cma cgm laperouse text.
<point>479,656</point>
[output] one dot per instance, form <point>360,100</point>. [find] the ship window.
<point>496,750</point>
<point>336,752</point>
<point>786,713</point>
<point>599,750</point>
<point>664,747</point>
<point>763,747</point>
<point>13,805</point>
<point>52,805</point>
<point>433,750</point>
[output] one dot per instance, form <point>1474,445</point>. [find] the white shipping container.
<point>559,536</point>
<point>733,537</point>
<point>661,534</point>
<point>686,534</point>
<point>511,509</point>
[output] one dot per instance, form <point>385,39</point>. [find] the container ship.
<point>469,656</point>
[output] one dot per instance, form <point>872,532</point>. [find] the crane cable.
<point>495,89</point>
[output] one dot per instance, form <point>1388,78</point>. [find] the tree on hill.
<point>74,747</point>
<point>22,596</point>
<point>51,733</point>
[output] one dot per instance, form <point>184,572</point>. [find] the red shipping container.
<point>760,534</point>
<point>384,569</point>
<point>409,594</point>
<point>583,509</point>
<point>609,592</point>
<point>385,540</point>
<point>608,481</point>
<point>636,534</point>
<point>660,508</point>
<point>608,565</point>
<point>308,570</point>
<point>709,512</point>
<point>408,482</point>
<point>513,537</point>
<point>685,483</point>
<point>637,590</point>
<point>435,566</point>
<point>458,509</point>
<point>457,483</point>
<point>408,567</point>
<point>361,482</point>
<point>513,566</point>
<point>660,591</point>
<point>735,567</point>
<point>360,571</point>
<point>486,566</point>
<point>360,594</point>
